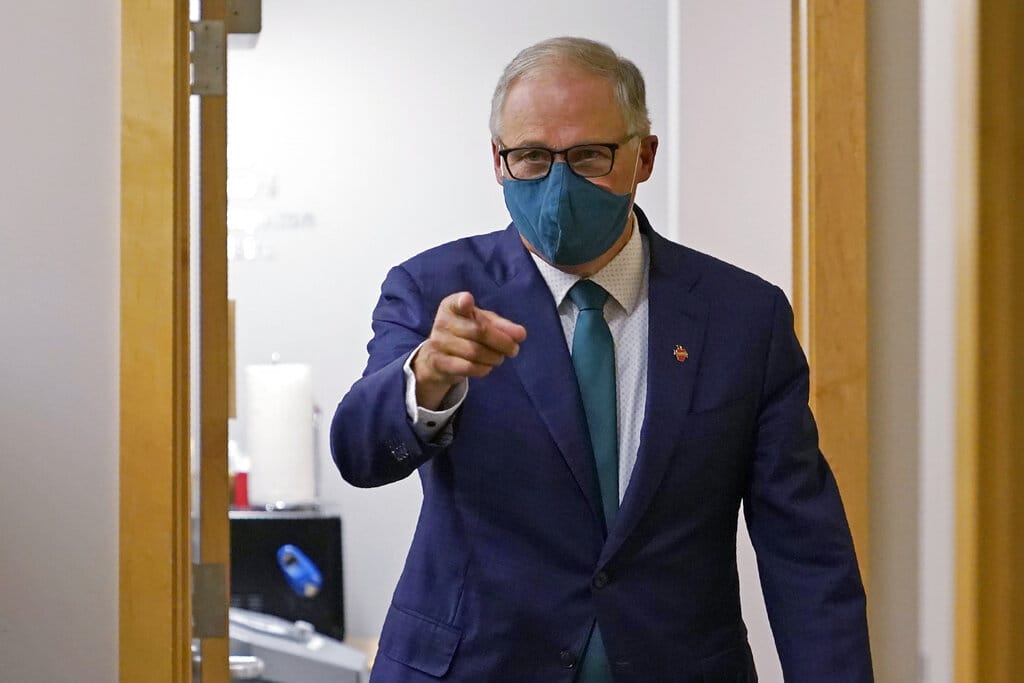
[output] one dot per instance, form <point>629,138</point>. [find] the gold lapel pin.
<point>681,354</point>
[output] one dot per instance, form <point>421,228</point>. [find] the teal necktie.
<point>593,356</point>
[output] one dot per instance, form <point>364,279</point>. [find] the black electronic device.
<point>260,571</point>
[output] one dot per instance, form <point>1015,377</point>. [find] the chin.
<point>590,267</point>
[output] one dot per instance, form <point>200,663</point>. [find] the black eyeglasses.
<point>587,161</point>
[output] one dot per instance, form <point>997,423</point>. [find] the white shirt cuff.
<point>432,426</point>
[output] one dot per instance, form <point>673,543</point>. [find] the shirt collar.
<point>622,277</point>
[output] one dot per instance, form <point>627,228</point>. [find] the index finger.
<point>461,304</point>
<point>499,334</point>
<point>513,330</point>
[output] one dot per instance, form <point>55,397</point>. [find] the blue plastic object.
<point>303,575</point>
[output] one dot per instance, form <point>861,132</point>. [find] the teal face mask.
<point>567,219</point>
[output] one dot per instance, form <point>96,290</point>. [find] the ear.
<point>497,162</point>
<point>648,150</point>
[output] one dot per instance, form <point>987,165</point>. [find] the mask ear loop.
<point>632,183</point>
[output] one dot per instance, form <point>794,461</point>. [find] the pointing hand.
<point>465,341</point>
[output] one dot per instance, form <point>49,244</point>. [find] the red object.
<point>242,490</point>
<point>681,354</point>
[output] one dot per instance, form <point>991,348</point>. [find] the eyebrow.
<point>536,143</point>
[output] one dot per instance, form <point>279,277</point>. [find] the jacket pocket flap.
<point>417,641</point>
<point>735,415</point>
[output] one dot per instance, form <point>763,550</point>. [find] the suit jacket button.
<point>567,658</point>
<point>601,579</point>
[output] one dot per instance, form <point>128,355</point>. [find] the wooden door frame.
<point>830,278</point>
<point>154,553</point>
<point>156,558</point>
<point>214,527</point>
<point>990,312</point>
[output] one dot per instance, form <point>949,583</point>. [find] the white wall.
<point>943,25</point>
<point>732,153</point>
<point>59,341</point>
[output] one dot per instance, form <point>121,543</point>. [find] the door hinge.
<point>209,58</point>
<point>209,600</point>
<point>245,16</point>
<point>209,44</point>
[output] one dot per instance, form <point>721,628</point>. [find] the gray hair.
<point>589,55</point>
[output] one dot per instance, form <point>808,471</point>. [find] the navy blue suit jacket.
<point>511,565</point>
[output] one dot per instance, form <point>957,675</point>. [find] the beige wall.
<point>59,341</point>
<point>894,319</point>
<point>912,175</point>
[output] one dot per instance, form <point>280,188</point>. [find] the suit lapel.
<point>676,318</point>
<point>544,365</point>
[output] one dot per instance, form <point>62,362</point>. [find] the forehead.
<point>559,106</point>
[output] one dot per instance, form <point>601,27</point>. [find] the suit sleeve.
<point>805,555</point>
<point>372,439</point>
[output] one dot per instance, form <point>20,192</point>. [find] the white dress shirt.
<point>625,279</point>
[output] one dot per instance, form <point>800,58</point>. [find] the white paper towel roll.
<point>279,433</point>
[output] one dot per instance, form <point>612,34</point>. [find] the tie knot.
<point>587,294</point>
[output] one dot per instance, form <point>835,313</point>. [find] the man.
<point>587,405</point>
